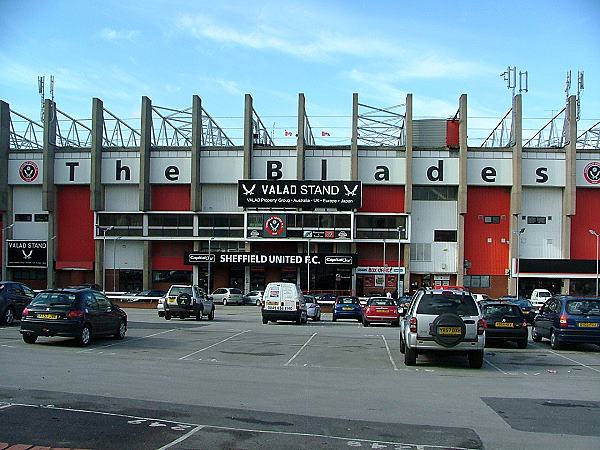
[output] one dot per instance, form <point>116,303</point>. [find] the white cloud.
<point>108,34</point>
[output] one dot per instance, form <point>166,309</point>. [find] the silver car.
<point>313,309</point>
<point>254,297</point>
<point>228,296</point>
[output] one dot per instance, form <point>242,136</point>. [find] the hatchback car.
<point>313,309</point>
<point>14,297</point>
<point>254,298</point>
<point>79,313</point>
<point>347,307</point>
<point>525,305</point>
<point>567,319</point>
<point>381,310</point>
<point>505,322</point>
<point>228,296</point>
<point>444,319</point>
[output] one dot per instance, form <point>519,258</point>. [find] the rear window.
<point>381,302</point>
<point>235,291</point>
<point>544,294</point>
<point>347,300</point>
<point>54,299</point>
<point>501,311</point>
<point>447,302</point>
<point>176,290</point>
<point>583,307</point>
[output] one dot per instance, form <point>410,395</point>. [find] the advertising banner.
<point>27,253</point>
<point>344,260</point>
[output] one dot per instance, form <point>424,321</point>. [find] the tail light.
<point>297,305</point>
<point>524,324</point>
<point>563,321</point>
<point>25,313</point>
<point>413,324</point>
<point>481,326</point>
<point>75,313</point>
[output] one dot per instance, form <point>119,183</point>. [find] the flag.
<point>288,133</point>
<point>325,133</point>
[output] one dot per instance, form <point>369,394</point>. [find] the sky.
<point>170,50</point>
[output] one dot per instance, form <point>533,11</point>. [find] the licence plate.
<point>504,325</point>
<point>172,300</point>
<point>449,331</point>
<point>47,316</point>
<point>588,325</point>
<point>381,310</point>
<point>347,308</point>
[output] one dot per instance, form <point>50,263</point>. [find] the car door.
<point>206,303</point>
<point>543,321</point>
<point>19,299</point>
<point>92,312</point>
<point>107,314</point>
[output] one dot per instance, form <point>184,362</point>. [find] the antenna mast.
<point>41,91</point>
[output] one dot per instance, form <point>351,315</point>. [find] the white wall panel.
<point>127,254</point>
<point>489,172</point>
<point>547,172</point>
<point>72,168</point>
<point>394,169</point>
<point>28,200</point>
<point>15,165</point>
<point>167,168</point>
<point>541,241</point>
<point>121,168</point>
<point>222,169</point>
<point>337,167</point>
<point>220,197</point>
<point>121,198</point>
<point>435,171</point>
<point>261,163</point>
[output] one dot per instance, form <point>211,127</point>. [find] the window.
<point>536,220</point>
<point>420,252</point>
<point>491,219</point>
<point>23,217</point>
<point>432,193</point>
<point>40,217</point>
<point>477,281</point>
<point>444,235</point>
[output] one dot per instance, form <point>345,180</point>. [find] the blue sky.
<point>169,50</point>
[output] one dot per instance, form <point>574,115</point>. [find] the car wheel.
<point>30,338</point>
<point>211,315</point>
<point>224,302</point>
<point>199,313</point>
<point>120,334</point>
<point>365,323</point>
<point>535,336</point>
<point>476,359</point>
<point>257,302</point>
<point>522,343</point>
<point>265,320</point>
<point>410,357</point>
<point>167,316</point>
<point>9,316</point>
<point>402,345</point>
<point>85,336</point>
<point>554,341</point>
<point>333,318</point>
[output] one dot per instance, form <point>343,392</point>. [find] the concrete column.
<point>462,189</point>
<point>354,142</point>
<point>570,191</point>
<point>408,126</point>
<point>516,192</point>
<point>147,271</point>
<point>145,147</point>
<point>48,186</point>
<point>196,189</point>
<point>300,138</point>
<point>248,137</point>
<point>195,268</point>
<point>96,187</point>
<point>4,149</point>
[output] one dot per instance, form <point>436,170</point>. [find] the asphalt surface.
<point>235,383</point>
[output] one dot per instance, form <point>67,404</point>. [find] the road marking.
<point>211,346</point>
<point>8,405</point>
<point>389,353</point>
<point>572,360</point>
<point>127,340</point>
<point>301,348</point>
<point>182,438</point>
<point>495,367</point>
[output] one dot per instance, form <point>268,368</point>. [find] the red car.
<point>381,309</point>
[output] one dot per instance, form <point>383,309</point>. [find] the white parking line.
<point>572,360</point>
<point>8,405</point>
<point>389,353</point>
<point>127,340</point>
<point>301,348</point>
<point>496,367</point>
<point>211,346</point>
<point>182,438</point>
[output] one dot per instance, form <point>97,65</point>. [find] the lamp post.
<point>209,257</point>
<point>518,234</point>
<point>594,233</point>
<point>5,251</point>
<point>114,263</point>
<point>308,268</point>
<point>400,231</point>
<point>104,230</point>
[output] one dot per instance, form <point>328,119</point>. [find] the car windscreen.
<point>508,311</point>
<point>587,307</point>
<point>447,302</point>
<point>176,290</point>
<point>347,300</point>
<point>54,299</point>
<point>381,302</point>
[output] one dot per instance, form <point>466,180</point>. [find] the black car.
<point>78,313</point>
<point>14,297</point>
<point>567,319</point>
<point>505,322</point>
<point>525,305</point>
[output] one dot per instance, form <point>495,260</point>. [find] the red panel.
<point>169,255</point>
<point>171,197</point>
<point>75,234</point>
<point>388,199</point>
<point>583,244</point>
<point>372,254</point>
<point>483,242</point>
<point>452,134</point>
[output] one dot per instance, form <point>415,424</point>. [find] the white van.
<point>283,301</point>
<point>539,298</point>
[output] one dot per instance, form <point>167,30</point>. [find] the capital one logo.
<point>28,171</point>
<point>592,172</point>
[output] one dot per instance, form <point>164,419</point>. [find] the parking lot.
<point>236,383</point>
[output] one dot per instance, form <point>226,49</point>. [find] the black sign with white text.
<point>27,253</point>
<point>198,258</point>
<point>294,259</point>
<point>299,194</point>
